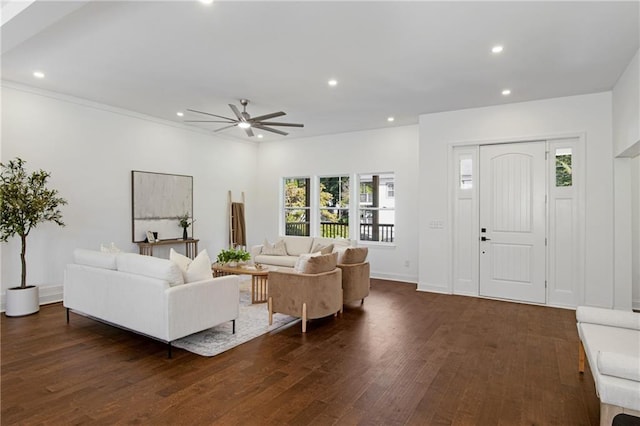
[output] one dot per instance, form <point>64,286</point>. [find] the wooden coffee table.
<point>259,279</point>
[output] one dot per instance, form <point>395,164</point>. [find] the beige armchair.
<point>355,281</point>
<point>307,295</point>
<point>355,274</point>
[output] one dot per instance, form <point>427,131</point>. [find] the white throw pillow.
<point>322,248</point>
<point>197,269</point>
<point>301,262</point>
<point>341,251</point>
<point>111,248</point>
<point>276,249</point>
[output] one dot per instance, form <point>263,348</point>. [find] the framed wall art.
<point>158,200</point>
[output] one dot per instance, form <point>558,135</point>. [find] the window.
<point>334,207</point>
<point>466,172</point>
<point>296,206</point>
<point>390,190</point>
<point>377,207</point>
<point>564,175</point>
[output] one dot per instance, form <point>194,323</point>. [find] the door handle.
<point>485,239</point>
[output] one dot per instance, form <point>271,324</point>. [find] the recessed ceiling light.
<point>497,49</point>
<point>332,82</point>
<point>390,119</point>
<point>206,1</point>
<point>38,74</point>
<point>260,136</point>
<point>180,114</point>
<point>506,92</point>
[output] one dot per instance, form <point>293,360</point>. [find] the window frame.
<point>308,208</point>
<point>319,209</point>
<point>360,209</point>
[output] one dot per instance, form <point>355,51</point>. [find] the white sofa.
<point>147,295</point>
<point>295,246</point>
<point>610,339</point>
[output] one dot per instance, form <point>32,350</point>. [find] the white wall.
<point>635,231</point>
<point>90,150</point>
<point>626,141</point>
<point>626,107</point>
<point>384,150</point>
<point>588,114</point>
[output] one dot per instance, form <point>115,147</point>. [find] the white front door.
<point>513,221</point>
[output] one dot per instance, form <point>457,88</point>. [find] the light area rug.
<point>252,321</point>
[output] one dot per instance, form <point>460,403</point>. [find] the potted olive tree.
<point>25,201</point>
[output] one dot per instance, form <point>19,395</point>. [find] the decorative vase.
<point>185,235</point>
<point>22,301</point>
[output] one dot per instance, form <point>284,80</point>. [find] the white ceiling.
<point>390,58</point>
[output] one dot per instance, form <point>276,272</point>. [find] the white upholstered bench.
<point>610,339</point>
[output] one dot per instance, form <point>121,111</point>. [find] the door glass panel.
<point>564,176</point>
<point>466,169</point>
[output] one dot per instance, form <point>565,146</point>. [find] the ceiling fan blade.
<point>225,127</point>
<point>208,113</point>
<point>268,116</point>
<point>249,131</point>
<point>207,121</point>
<point>236,111</point>
<point>274,123</point>
<point>269,129</point>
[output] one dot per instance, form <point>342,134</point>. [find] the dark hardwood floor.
<point>405,357</point>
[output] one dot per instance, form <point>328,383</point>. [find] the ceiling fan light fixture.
<point>244,125</point>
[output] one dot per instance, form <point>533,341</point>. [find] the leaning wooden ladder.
<point>237,233</point>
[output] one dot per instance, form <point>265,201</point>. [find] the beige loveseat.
<point>287,249</point>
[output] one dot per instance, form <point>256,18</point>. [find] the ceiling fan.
<point>245,121</point>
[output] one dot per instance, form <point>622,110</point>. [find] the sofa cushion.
<point>149,266</point>
<point>619,365</point>
<point>287,261</point>
<point>303,259</point>
<point>197,269</point>
<point>95,258</point>
<point>610,317</point>
<point>352,255</point>
<point>276,249</point>
<point>320,264</point>
<point>298,245</point>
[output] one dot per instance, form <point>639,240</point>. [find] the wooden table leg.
<point>258,289</point>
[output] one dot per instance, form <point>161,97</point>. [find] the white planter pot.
<point>22,301</point>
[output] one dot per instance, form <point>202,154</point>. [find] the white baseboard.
<point>434,288</point>
<point>50,294</point>
<point>395,277</point>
